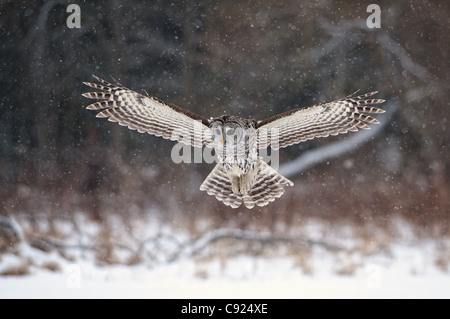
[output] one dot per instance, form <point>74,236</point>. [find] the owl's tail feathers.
<point>218,184</point>
<point>267,186</point>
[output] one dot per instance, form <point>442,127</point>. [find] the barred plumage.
<point>267,186</point>
<point>148,114</point>
<point>319,120</point>
<point>240,176</point>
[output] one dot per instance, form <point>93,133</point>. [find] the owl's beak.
<point>223,141</point>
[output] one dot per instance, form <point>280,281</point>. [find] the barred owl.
<point>240,175</point>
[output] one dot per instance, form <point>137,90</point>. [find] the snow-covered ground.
<point>242,277</point>
<point>408,275</point>
<point>402,270</point>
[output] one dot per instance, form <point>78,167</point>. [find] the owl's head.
<point>227,130</point>
<point>226,133</point>
<point>232,133</point>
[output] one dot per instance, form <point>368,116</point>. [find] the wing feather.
<point>321,120</point>
<point>148,114</point>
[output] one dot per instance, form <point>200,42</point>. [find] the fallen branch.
<point>193,248</point>
<point>162,247</point>
<point>9,228</point>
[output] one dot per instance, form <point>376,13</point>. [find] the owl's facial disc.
<point>233,133</point>
<point>229,133</point>
<point>217,134</point>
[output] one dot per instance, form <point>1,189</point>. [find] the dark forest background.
<point>213,57</point>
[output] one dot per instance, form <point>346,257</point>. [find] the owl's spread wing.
<point>148,114</point>
<point>320,120</point>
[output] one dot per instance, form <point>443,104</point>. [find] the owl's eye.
<point>217,134</point>
<point>231,132</point>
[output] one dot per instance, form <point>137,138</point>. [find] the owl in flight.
<point>240,174</point>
